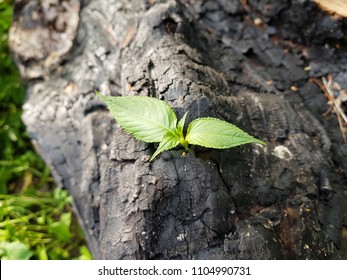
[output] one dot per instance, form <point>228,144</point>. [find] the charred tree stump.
<point>247,62</point>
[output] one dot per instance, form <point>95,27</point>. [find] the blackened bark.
<point>241,61</point>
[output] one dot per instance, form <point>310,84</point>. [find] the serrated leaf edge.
<point>109,98</point>
<point>250,140</point>
<point>161,147</point>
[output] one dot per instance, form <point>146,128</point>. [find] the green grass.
<point>36,220</point>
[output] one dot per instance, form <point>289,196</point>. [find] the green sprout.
<point>153,121</point>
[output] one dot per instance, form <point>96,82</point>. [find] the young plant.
<point>152,120</point>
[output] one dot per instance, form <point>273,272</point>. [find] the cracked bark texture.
<point>286,200</point>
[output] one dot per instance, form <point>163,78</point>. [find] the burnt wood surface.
<point>247,62</point>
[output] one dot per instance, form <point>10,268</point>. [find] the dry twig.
<point>336,97</point>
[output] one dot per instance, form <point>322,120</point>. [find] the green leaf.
<point>147,119</point>
<point>61,229</point>
<point>14,251</point>
<point>41,253</point>
<point>170,140</point>
<point>179,130</point>
<point>180,125</point>
<point>85,254</point>
<point>218,134</point>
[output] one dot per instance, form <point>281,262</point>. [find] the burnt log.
<point>246,62</point>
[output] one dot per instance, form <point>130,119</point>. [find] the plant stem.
<point>184,143</point>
